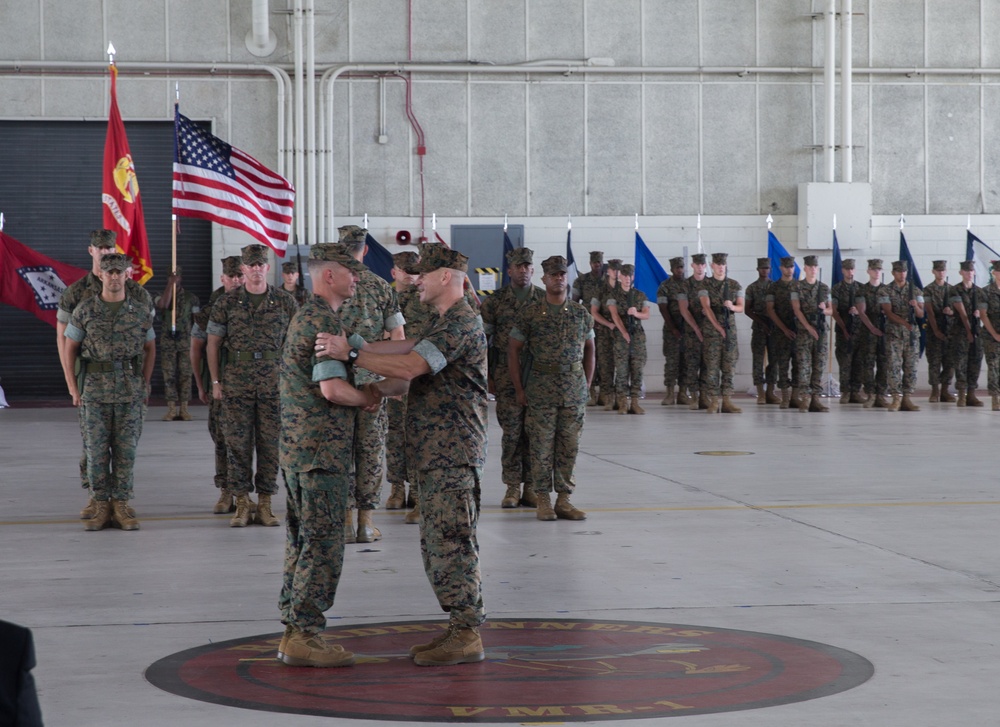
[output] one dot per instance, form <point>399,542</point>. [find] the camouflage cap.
<point>231,266</point>
<point>847,263</point>
<point>995,266</point>
<point>254,255</point>
<point>555,264</point>
<point>810,260</point>
<point>352,234</point>
<point>406,261</point>
<point>676,262</point>
<point>520,256</point>
<point>763,262</point>
<point>875,264</point>
<point>628,270</point>
<point>434,255</point>
<point>939,265</point>
<point>788,261</point>
<point>103,238</point>
<point>614,264</point>
<point>333,252</point>
<point>596,256</point>
<point>899,266</point>
<point>967,265</point>
<point>116,261</point>
<point>720,258</point>
<point>289,267</point>
<point>698,258</point>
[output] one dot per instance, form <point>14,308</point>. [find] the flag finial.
<point>365,222</point>
<point>636,221</point>
<point>505,223</point>
<point>834,220</point>
<point>111,53</point>
<point>968,222</point>
<point>1,221</point>
<point>770,221</point>
<point>698,223</point>
<point>569,222</point>
<point>434,221</point>
<point>902,222</point>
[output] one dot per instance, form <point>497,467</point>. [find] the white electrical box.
<point>850,202</point>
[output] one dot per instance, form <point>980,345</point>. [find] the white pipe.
<point>829,90</point>
<point>846,92</point>
<point>299,100</point>
<point>310,80</point>
<point>260,28</point>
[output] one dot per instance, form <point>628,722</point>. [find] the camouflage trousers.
<point>967,357</point>
<point>395,442</point>
<point>175,363</point>
<point>515,462</point>
<point>811,355</point>
<point>630,360</point>
<point>84,477</point>
<point>111,435</point>
<point>554,432</point>
<point>992,349</point>
<point>219,439</point>
<point>940,369</point>
<point>370,431</point>
<point>673,360</point>
<point>760,344</point>
<point>251,424</point>
<point>449,511</point>
<point>849,362</point>
<point>694,376</point>
<point>719,356</point>
<point>901,361</point>
<point>604,344</point>
<point>873,363</point>
<point>786,364</point>
<point>314,547</point>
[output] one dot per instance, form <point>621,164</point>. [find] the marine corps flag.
<point>122,206</point>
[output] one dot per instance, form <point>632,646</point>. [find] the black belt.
<point>556,368</point>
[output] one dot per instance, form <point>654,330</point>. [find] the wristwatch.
<point>352,356</point>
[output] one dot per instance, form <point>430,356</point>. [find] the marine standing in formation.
<point>629,307</point>
<point>691,311</point>
<point>673,333</point>
<point>720,298</point>
<point>843,297</point>
<point>176,308</point>
<point>499,311</point>
<point>585,289</point>
<point>755,307</point>
<point>963,343</point>
<point>604,335</point>
<point>940,369</point>
<point>249,324</point>
<point>902,304</point>
<point>779,310</point>
<point>290,283</point>
<point>811,305</point>
<point>112,334</point>
<point>989,316</point>
<point>558,335</point>
<point>873,363</point>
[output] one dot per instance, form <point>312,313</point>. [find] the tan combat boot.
<point>996,402</point>
<point>413,516</point>
<point>609,402</point>
<point>694,400</point>
<point>564,508</point>
<point>845,398</point>
<point>602,400</point>
<point>761,395</point>
<point>622,405</point>
<point>241,518</point>
<point>284,641</point>
<point>544,509</point>
<point>971,399</point>
<point>225,503</point>
<point>796,397</point>
<point>512,497</point>
<point>803,402</point>
<point>946,396</point>
<point>728,407</point>
<point>592,396</point>
<point>894,404</point>
<point>907,404</point>
<point>121,517</point>
<point>869,401</point>
<point>462,646</point>
<point>786,398</point>
<point>961,397</point>
<point>350,535</point>
<point>302,649</point>
<point>528,496</point>
<point>367,532</point>
<point>88,512</point>
<point>171,411</point>
<point>668,397</point>
<point>433,643</point>
<point>102,516</point>
<point>771,397</point>
<point>265,516</point>
<point>182,413</point>
<point>397,496</point>
<point>634,407</point>
<point>935,394</point>
<point>682,397</point>
<point>817,405</point>
<point>712,405</point>
<point>856,398</point>
<point>880,402</point>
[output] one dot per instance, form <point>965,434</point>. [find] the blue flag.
<point>776,251</point>
<point>378,259</point>
<point>904,254</point>
<point>571,272</point>
<point>508,246</point>
<point>648,271</point>
<point>838,270</point>
<point>982,254</point>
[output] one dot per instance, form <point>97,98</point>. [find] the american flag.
<point>218,182</point>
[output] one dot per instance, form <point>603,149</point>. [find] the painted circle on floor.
<point>536,670</point>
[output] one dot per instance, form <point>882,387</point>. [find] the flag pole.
<point>173,226</point>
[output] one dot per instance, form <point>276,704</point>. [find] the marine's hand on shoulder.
<point>332,346</point>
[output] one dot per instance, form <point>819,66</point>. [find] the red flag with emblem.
<point>31,281</point>
<point>121,202</point>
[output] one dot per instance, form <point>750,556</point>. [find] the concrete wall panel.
<point>497,32</point>
<point>785,135</point>
<point>440,30</point>
<point>137,36</point>
<point>378,31</point>
<point>381,172</point>
<point>198,30</point>
<point>953,32</point>
<point>991,31</point>
<point>21,30</point>
<point>22,96</point>
<point>670,35</point>
<point>897,140</point>
<point>442,111</point>
<point>730,149</point>
<point>991,153</point>
<point>614,30</point>
<point>555,29</point>
<point>74,31</point>
<point>73,98</point>
<point>897,33</point>
<point>728,29</point>
<point>785,33</point>
<point>614,149</point>
<point>254,127</point>
<point>556,143</point>
<point>332,31</point>
<point>953,149</point>
<point>672,170</point>
<point>497,150</point>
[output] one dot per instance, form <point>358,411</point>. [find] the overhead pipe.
<point>310,151</point>
<point>299,116</point>
<point>829,90</point>
<point>846,92</point>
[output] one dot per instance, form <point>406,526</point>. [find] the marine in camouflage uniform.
<point>112,336</point>
<point>720,298</point>
<point>373,313</point>
<point>940,369</point>
<point>989,316</point>
<point>811,304</point>
<point>499,312</point>
<point>902,304</point>
<point>232,277</point>
<point>964,341</point>
<point>585,289</point>
<point>629,307</point>
<point>673,333</point>
<point>102,242</point>
<point>175,344</point>
<point>250,324</point>
<point>604,335</point>
<point>783,336</point>
<point>843,296</point>
<point>695,380</point>
<point>755,307</point>
<point>290,283</point>
<point>318,407</point>
<point>558,335</point>
<point>872,340</point>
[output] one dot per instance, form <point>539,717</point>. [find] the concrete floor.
<point>869,531</point>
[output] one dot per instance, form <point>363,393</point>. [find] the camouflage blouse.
<point>371,312</point>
